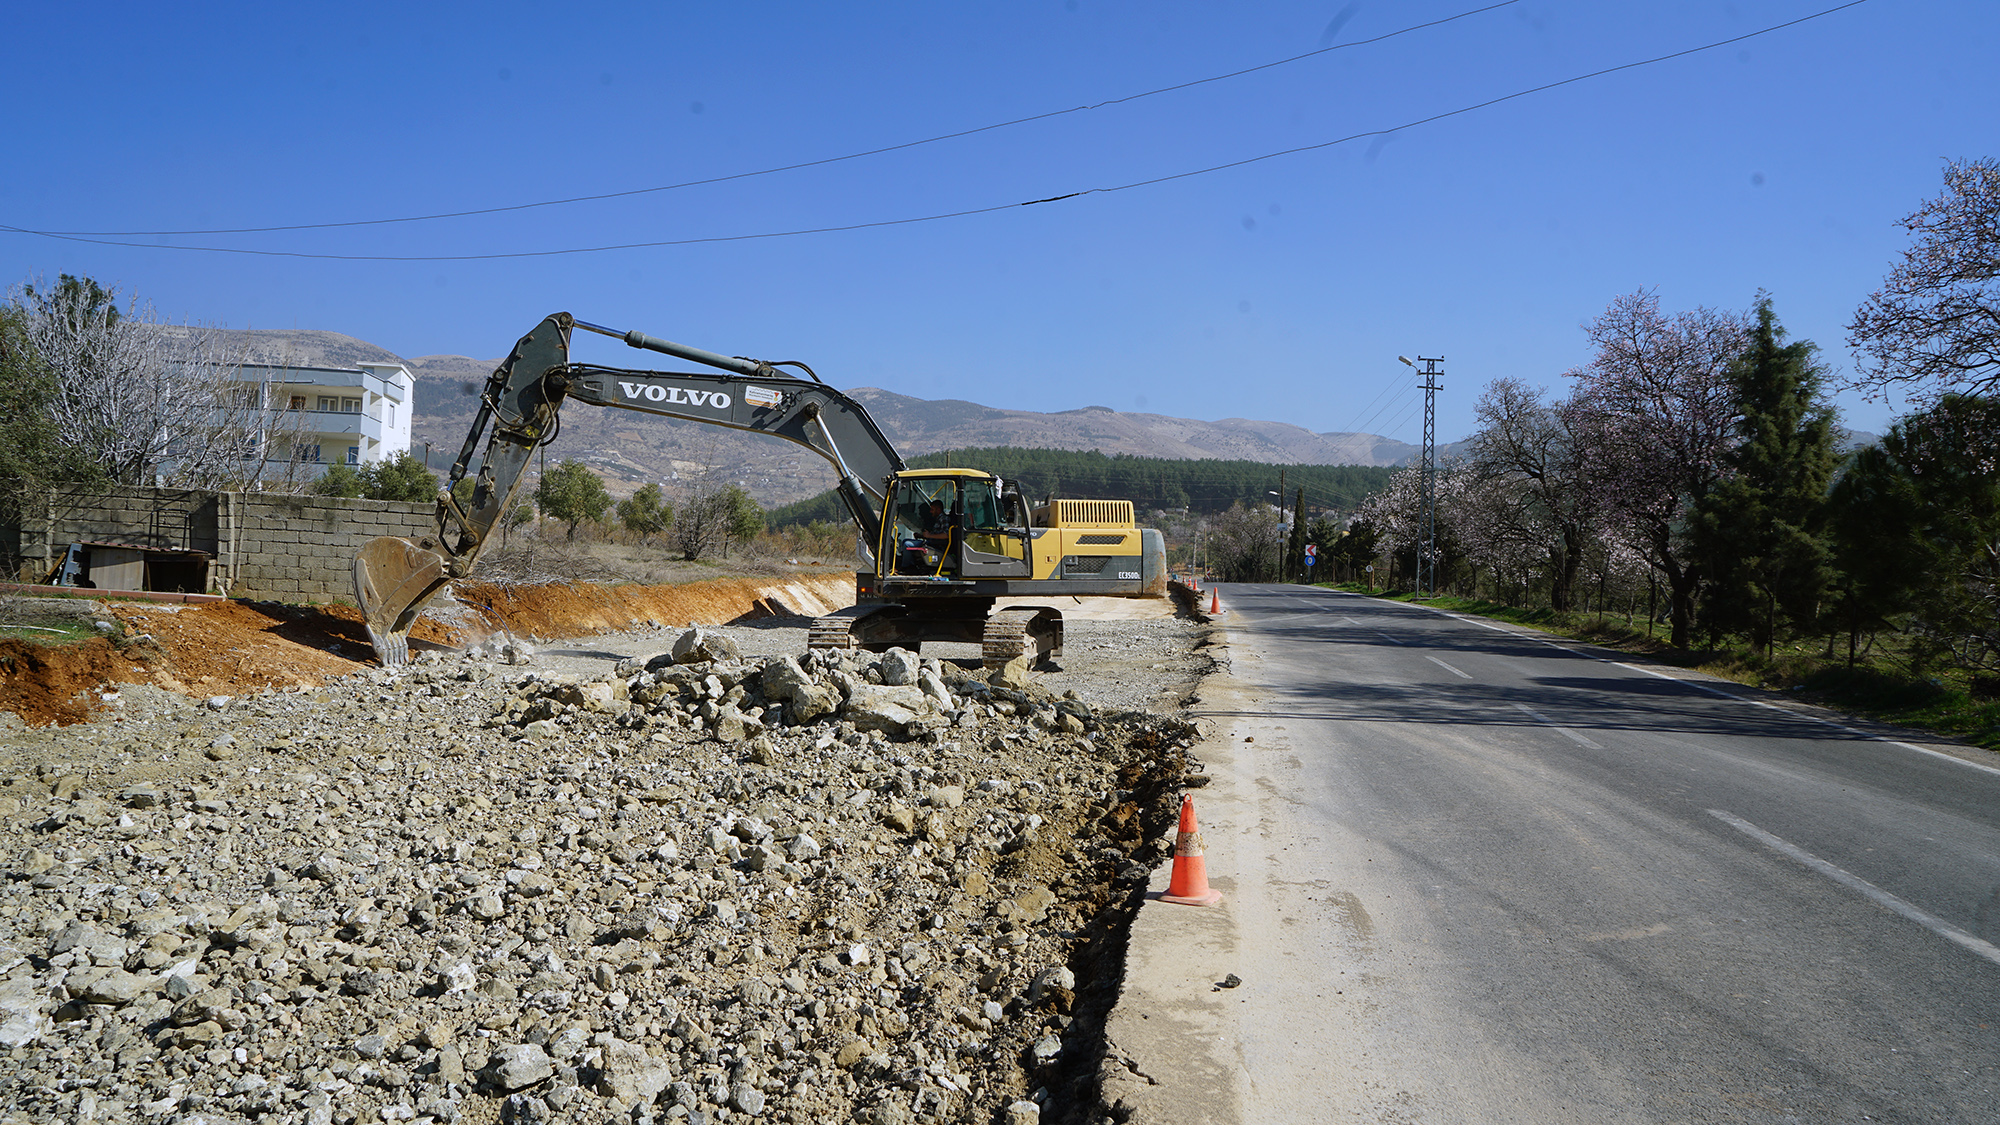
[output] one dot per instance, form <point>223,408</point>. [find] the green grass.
<point>1883,685</point>
<point>52,633</point>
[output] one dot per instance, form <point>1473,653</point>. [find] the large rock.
<point>519,1066</point>
<point>1013,674</point>
<point>900,668</point>
<point>933,686</point>
<point>698,644</point>
<point>113,986</point>
<point>804,699</point>
<point>885,708</point>
<point>23,1011</point>
<point>629,1076</point>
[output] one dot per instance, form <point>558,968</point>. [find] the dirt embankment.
<point>241,648</point>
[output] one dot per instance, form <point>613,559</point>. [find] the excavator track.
<point>1019,631</point>
<point>1005,639</point>
<point>834,631</point>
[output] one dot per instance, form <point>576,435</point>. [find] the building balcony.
<point>332,423</point>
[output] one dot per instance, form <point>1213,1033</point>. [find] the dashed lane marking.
<point>1868,890</point>
<point>1552,725</point>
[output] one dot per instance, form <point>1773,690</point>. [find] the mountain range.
<point>630,449</point>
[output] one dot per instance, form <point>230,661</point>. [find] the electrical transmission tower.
<point>1427,550</point>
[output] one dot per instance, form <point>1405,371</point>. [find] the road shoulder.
<point>1171,1043</point>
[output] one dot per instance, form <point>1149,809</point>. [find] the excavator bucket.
<point>393,578</point>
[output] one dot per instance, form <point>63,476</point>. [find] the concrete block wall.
<point>261,545</point>
<point>301,548</point>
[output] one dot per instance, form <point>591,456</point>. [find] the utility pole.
<point>1427,551</point>
<point>1284,564</point>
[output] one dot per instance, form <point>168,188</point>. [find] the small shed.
<point>133,566</point>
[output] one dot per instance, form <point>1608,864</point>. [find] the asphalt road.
<point>1474,876</point>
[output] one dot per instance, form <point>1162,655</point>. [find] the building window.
<point>305,454</point>
<point>350,406</point>
<point>328,403</point>
<point>354,455</point>
<point>298,402</point>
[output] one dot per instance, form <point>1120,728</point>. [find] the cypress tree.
<point>1762,531</point>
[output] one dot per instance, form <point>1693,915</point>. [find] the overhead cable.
<point>965,213</point>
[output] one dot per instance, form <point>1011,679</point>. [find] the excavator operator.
<point>936,533</point>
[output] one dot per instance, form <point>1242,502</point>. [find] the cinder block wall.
<point>261,545</point>
<point>301,548</point>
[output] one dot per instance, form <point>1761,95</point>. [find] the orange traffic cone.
<point>1214,602</point>
<point>1189,883</point>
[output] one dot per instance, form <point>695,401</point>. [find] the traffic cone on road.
<point>1189,884</point>
<point>1214,602</point>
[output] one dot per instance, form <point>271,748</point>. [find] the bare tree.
<point>1242,543</point>
<point>137,396</point>
<point>1528,450</point>
<point>1935,323</point>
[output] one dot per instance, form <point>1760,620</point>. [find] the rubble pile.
<point>702,888</point>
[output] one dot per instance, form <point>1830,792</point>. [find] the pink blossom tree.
<point>1935,323</point>
<point>1654,415</point>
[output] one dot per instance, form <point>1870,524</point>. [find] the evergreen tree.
<point>402,477</point>
<point>1881,554</point>
<point>644,513</point>
<point>338,480</point>
<point>1948,458</point>
<point>572,493</point>
<point>1761,532</point>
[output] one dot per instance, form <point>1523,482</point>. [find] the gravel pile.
<point>693,886</point>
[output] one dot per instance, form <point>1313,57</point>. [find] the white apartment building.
<point>320,416</point>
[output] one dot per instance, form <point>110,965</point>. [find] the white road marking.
<point>1853,882</point>
<point>1698,686</point>
<point>1547,722</point>
<point>1804,715</point>
<point>1387,637</point>
<point>1447,667</point>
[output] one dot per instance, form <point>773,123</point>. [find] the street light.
<point>1406,362</point>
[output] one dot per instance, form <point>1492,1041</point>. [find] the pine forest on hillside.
<point>1151,483</point>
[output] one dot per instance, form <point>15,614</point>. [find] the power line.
<point>1394,404</point>
<point>792,167</point>
<point>1386,388</point>
<point>948,214</point>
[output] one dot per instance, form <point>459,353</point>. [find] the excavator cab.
<point>955,524</point>
<point>926,527</point>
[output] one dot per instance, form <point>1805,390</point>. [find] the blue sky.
<point>1282,289</point>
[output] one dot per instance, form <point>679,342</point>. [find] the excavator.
<point>938,547</point>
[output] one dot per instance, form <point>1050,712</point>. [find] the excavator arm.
<point>520,409</point>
